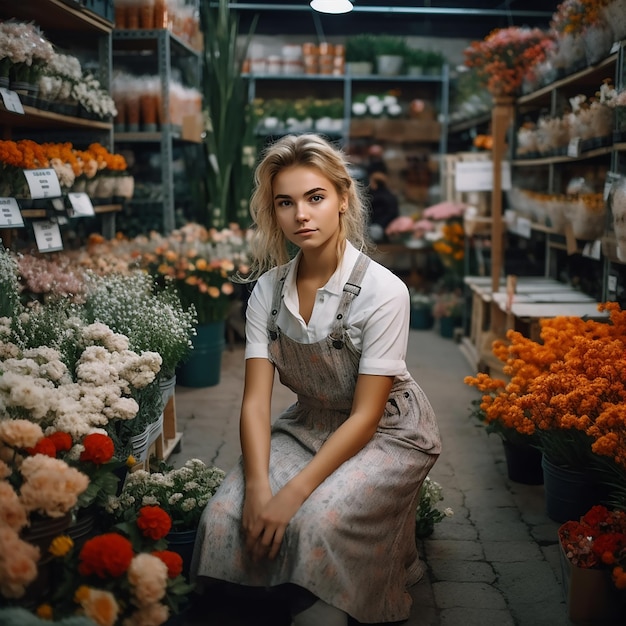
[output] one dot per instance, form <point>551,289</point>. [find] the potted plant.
<point>432,62</point>
<point>182,492</point>
<point>360,54</point>
<point>390,54</point>
<point>428,512</point>
<point>229,137</point>
<point>414,60</point>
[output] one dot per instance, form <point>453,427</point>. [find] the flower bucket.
<point>523,463</point>
<point>182,542</point>
<point>203,367</point>
<point>140,444</point>
<point>83,525</point>
<point>154,430</point>
<point>590,594</point>
<point>569,493</point>
<point>167,386</point>
<point>447,326</point>
<point>389,64</point>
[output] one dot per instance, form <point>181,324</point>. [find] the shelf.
<point>175,132</point>
<point>142,40</point>
<point>346,77</point>
<point>459,127</point>
<point>56,15</point>
<point>38,118</point>
<point>591,76</point>
<point>589,154</point>
<point>98,210</point>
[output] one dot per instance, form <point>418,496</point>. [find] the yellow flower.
<point>61,545</point>
<point>44,611</point>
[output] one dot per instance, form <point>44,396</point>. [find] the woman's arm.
<point>254,433</point>
<point>370,397</point>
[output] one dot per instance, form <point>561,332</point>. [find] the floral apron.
<point>352,542</point>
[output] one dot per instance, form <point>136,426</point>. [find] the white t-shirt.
<point>378,320</point>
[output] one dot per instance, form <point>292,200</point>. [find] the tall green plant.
<point>229,138</point>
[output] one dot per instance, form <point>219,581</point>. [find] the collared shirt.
<point>378,321</point>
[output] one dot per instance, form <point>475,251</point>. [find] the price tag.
<point>10,215</point>
<point>573,148</point>
<point>11,101</point>
<point>81,205</point>
<point>47,236</point>
<point>593,249</point>
<point>612,284</point>
<point>42,183</point>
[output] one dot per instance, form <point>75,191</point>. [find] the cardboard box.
<point>407,131</point>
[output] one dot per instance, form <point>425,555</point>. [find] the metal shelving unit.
<point>158,49</point>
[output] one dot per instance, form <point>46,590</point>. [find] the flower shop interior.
<point>487,139</point>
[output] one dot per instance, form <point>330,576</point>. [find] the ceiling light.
<point>332,6</point>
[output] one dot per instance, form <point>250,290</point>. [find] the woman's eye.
<point>317,198</point>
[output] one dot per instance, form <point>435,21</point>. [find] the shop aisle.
<point>495,562</point>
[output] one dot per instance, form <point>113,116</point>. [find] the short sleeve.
<point>257,315</point>
<point>386,330</point>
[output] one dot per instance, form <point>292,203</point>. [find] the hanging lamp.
<point>332,6</point>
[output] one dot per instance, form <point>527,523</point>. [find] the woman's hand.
<point>265,521</point>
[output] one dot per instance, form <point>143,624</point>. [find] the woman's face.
<point>307,207</point>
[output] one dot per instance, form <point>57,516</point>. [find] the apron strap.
<point>351,290</point>
<point>272,327</point>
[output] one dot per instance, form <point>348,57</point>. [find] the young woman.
<point>324,499</point>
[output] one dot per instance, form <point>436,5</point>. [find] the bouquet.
<point>123,576</point>
<point>182,492</point>
<point>200,264</point>
<point>598,540</point>
<point>506,56</point>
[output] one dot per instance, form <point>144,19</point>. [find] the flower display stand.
<point>591,597</point>
<point>169,438</point>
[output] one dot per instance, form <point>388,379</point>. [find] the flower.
<point>450,246</point>
<point>506,56</point>
<point>597,540</point>
<point>123,576</point>
<point>154,319</point>
<point>31,484</point>
<point>427,515</point>
<point>567,390</point>
<point>182,492</point>
<point>447,304</point>
<point>200,264</point>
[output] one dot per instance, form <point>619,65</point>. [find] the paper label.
<point>573,148</point>
<point>43,183</point>
<point>10,214</point>
<point>593,249</point>
<point>47,236</point>
<point>478,176</point>
<point>81,205</point>
<point>11,101</point>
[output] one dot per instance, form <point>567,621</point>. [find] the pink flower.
<point>101,606</point>
<point>20,433</point>
<point>147,575</point>
<point>18,563</point>
<point>12,513</point>
<point>445,210</point>
<point>151,615</point>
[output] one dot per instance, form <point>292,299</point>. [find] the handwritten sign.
<point>10,215</point>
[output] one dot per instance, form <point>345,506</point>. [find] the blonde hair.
<point>268,245</point>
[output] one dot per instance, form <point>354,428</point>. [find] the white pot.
<point>389,64</point>
<point>359,68</point>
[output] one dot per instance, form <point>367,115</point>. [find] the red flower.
<point>154,522</point>
<point>62,441</point>
<point>98,448</point>
<point>43,446</point>
<point>105,555</point>
<point>173,560</point>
